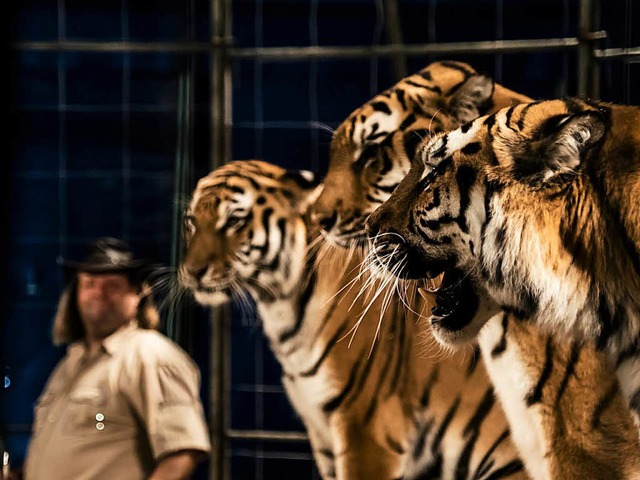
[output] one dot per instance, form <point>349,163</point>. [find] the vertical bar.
<point>220,321</point>
<point>127,200</point>
<point>258,354</point>
<point>596,67</point>
<point>63,204</point>
<point>374,62</point>
<point>219,392</point>
<point>314,111</point>
<point>585,53</point>
<point>184,142</point>
<point>258,116</point>
<point>393,28</point>
<point>499,17</point>
<point>566,19</point>
<point>626,67</point>
<point>220,84</point>
<point>258,132</point>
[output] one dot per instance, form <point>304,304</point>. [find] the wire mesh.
<point>296,75</point>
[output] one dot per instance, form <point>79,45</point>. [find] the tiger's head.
<point>246,230</point>
<point>372,150</point>
<point>501,206</point>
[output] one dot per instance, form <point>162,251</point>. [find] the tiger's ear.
<point>561,148</point>
<point>304,186</point>
<point>472,99</point>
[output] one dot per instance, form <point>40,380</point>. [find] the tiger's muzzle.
<point>456,298</point>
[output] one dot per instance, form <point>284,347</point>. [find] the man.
<point>123,403</point>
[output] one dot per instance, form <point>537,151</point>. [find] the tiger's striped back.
<point>385,406</point>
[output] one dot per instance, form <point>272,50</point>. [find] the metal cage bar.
<point>220,318</point>
<point>307,53</point>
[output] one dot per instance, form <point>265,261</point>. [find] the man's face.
<point>105,303</point>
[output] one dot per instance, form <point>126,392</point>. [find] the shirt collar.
<point>76,349</point>
<point>111,344</point>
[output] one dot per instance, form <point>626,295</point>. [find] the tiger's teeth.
<point>426,294</point>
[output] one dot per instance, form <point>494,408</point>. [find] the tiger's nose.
<point>373,230</point>
<point>326,220</point>
<point>373,224</point>
<point>197,272</point>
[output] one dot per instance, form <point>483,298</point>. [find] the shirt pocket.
<point>41,411</point>
<point>95,411</point>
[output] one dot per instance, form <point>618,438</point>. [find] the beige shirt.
<point>113,415</point>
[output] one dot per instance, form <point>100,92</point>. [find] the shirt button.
<point>99,417</point>
<point>100,426</point>
<point>52,418</point>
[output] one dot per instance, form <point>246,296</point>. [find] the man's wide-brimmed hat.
<point>107,255</point>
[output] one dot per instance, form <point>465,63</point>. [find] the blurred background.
<point>116,107</point>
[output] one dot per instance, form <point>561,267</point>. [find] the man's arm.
<point>164,391</point>
<point>176,466</point>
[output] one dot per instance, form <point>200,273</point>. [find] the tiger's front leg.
<point>365,459</point>
<point>325,461</point>
<point>360,456</point>
<point>323,455</point>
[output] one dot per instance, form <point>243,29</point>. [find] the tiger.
<point>372,410</point>
<point>536,215</point>
<point>546,387</point>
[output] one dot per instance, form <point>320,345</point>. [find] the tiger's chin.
<point>454,338</point>
<point>459,313</point>
<point>211,299</point>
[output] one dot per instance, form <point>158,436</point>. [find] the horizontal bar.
<point>267,435</point>
<point>320,53</point>
<point>244,453</point>
<point>617,52</point>
<point>120,47</point>
<point>310,53</point>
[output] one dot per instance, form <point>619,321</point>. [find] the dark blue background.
<point>91,146</point>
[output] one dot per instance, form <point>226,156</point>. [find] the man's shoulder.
<point>153,346</point>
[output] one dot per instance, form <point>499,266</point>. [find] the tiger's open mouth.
<point>225,289</point>
<point>456,301</point>
<point>222,287</point>
<point>456,298</point>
